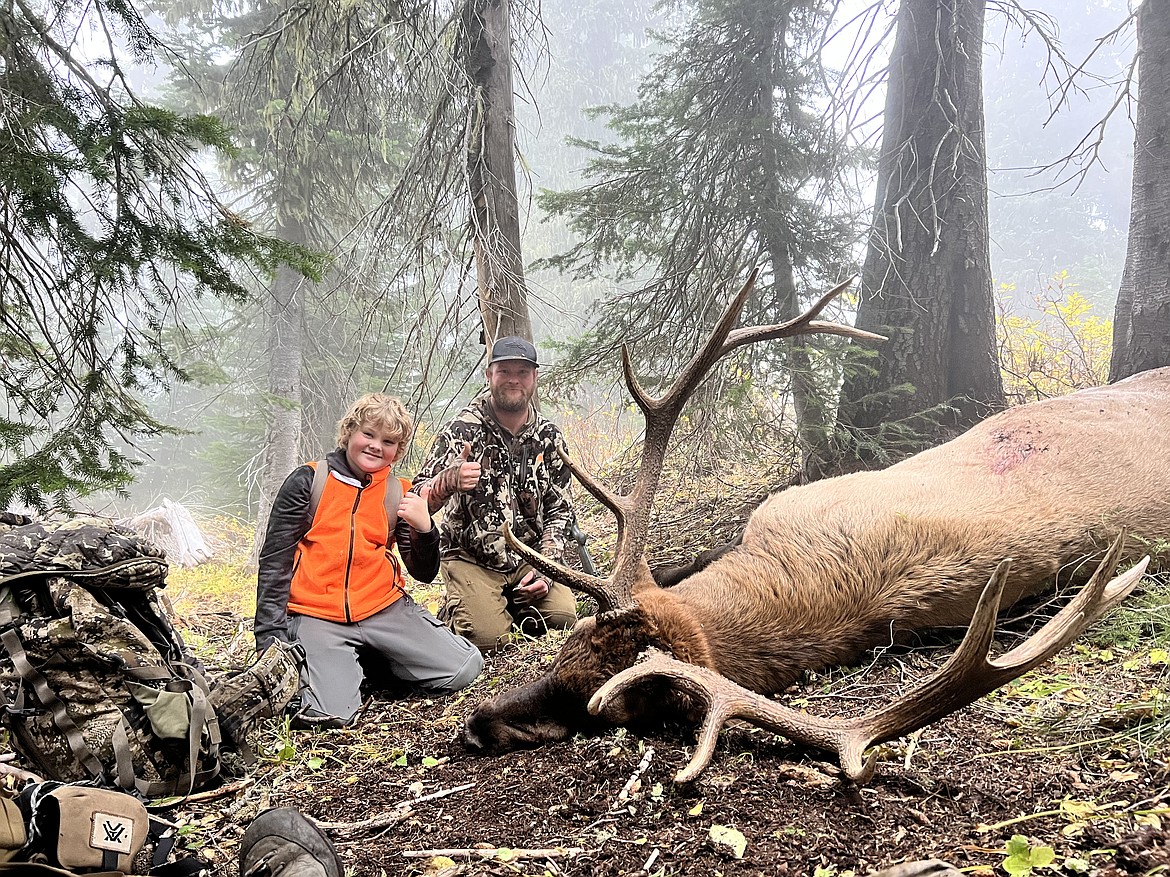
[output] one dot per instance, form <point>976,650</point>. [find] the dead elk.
<point>829,570</point>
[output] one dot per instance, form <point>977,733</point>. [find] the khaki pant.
<point>480,606</point>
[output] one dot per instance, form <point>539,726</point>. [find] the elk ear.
<point>643,580</point>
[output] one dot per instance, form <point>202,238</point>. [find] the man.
<point>497,464</point>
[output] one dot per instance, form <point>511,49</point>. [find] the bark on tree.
<point>926,282</point>
<point>1141,320</point>
<point>495,213</point>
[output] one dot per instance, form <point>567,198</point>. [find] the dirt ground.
<point>1072,757</point>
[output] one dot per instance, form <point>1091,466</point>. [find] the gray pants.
<point>417,646</point>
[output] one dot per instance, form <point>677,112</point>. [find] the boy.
<point>332,584</point>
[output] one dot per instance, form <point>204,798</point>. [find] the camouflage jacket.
<point>524,484</point>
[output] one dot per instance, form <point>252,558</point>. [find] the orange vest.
<point>343,569</point>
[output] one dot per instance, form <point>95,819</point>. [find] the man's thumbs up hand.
<point>469,470</point>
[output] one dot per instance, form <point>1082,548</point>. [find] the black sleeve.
<point>419,551</point>
<point>287,525</point>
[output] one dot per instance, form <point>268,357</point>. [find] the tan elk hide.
<point>832,569</point>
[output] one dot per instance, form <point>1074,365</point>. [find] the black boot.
<point>283,842</point>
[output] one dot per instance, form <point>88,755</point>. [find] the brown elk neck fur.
<point>831,569</point>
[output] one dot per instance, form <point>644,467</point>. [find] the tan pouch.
<point>99,829</point>
<point>13,835</point>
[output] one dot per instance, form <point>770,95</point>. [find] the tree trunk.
<point>812,416</point>
<point>926,282</point>
<point>1141,321</point>
<point>282,445</point>
<point>495,213</point>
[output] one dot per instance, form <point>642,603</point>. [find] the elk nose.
<point>470,738</point>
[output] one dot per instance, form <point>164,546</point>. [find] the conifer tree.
<point>1141,323</point>
<point>725,160</point>
<point>926,282</point>
<point>107,225</point>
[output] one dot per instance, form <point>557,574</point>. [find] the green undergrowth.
<point>216,586</point>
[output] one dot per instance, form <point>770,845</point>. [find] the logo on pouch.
<point>112,832</point>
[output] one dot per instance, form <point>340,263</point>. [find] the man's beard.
<point>510,401</point>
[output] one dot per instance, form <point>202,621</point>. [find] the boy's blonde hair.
<point>380,409</point>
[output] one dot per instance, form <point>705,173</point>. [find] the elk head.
<point>633,614</point>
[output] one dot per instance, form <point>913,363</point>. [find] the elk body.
<point>827,571</point>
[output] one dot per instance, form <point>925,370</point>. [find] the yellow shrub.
<point>1065,347</point>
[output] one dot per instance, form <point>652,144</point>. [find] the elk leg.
<point>669,576</point>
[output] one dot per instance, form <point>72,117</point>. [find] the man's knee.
<point>484,633</point>
<point>559,608</point>
<point>475,607</point>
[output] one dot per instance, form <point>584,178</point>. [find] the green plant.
<point>286,750</point>
<point>1022,858</point>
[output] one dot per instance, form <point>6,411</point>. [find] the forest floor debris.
<point>1071,758</point>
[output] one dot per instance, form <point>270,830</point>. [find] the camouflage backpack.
<point>95,681</point>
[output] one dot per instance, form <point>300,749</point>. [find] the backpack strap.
<point>320,474</point>
<point>33,678</point>
<point>392,498</point>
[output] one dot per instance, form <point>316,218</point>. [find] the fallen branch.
<point>635,779</point>
<point>503,854</point>
<point>9,770</point>
<point>197,797</point>
<point>221,792</point>
<point>402,810</point>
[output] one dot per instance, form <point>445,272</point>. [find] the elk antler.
<point>633,510</point>
<point>968,675</point>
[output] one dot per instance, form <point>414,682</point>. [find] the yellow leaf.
<point>1073,809</point>
<point>696,810</point>
<point>729,837</point>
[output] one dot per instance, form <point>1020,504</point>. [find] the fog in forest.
<point>1059,198</point>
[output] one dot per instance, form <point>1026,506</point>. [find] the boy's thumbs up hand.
<point>469,470</point>
<point>413,509</point>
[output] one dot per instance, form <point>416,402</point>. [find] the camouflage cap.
<point>513,347</point>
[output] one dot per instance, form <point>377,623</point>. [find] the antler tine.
<point>661,414</point>
<point>723,700</point>
<point>968,675</point>
<point>802,325</point>
<point>609,499</point>
<point>971,672</point>
<point>602,590</point>
<point>701,362</point>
